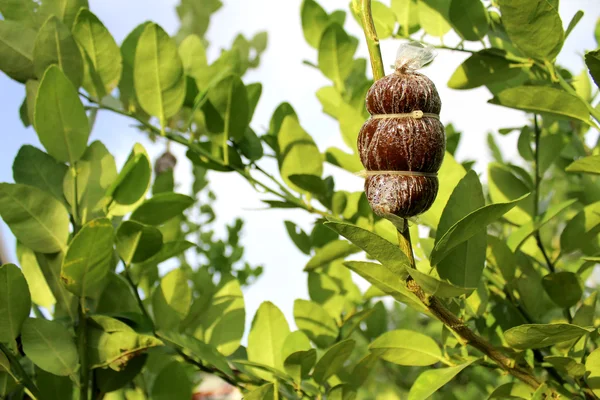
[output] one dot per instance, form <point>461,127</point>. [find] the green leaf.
<point>564,288</point>
<point>463,263</point>
<point>377,247</point>
<point>54,44</point>
<point>126,84</point>
<point>52,386</point>
<point>339,158</point>
<point>172,383</point>
<point>407,15</point>
<point>482,68</point>
<point>332,251</point>
<point>15,302</point>
<point>543,99</point>
<point>171,300</point>
<point>50,346</point>
<point>22,11</point>
<point>536,336</point>
<point>60,120</point>
<point>513,390</point>
<point>438,287</point>
<point>159,78</point>
<point>384,19</point>
<point>336,52</point>
<point>433,16</point>
<point>597,32</point>
<point>534,26</point>
<point>431,380</point>
<point>315,322</point>
<point>230,111</point>
<point>112,343</point>
<point>167,251</point>
<point>193,55</point>
<point>16,50</point>
<point>590,165</point>
<point>203,352</point>
<point>387,281</point>
<point>299,364</point>
<point>39,289</point>
<point>35,217</point>
<point>104,63</point>
<point>161,208</point>
<point>333,359</point>
<point>581,230</point>
<point>96,172</point>
<point>406,347</point>
<point>299,237</point>
<point>137,242</point>
<point>314,22</point>
<point>88,258</point>
<point>505,186</point>
<point>132,183</point>
<point>566,365</point>
<point>66,10</point>
<point>264,392</point>
<point>109,380</point>
<point>267,335</point>
<point>468,226</point>
<point>469,19</point>
<point>35,168</point>
<point>592,369</point>
<point>222,323</point>
<point>117,298</point>
<point>66,302</point>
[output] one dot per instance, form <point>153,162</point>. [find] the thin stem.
<point>75,205</point>
<point>372,39</point>
<point>23,378</point>
<point>138,298</point>
<point>83,359</point>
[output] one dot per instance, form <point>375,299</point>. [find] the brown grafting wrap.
<point>402,144</point>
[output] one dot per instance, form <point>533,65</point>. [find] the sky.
<point>284,78</point>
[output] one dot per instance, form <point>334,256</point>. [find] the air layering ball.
<point>402,145</point>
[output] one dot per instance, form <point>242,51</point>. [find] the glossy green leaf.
<point>407,15</point>
<point>592,369</point>
<point>109,380</point>
<point>469,18</point>
<point>438,286</point>
<point>406,347</point>
<point>96,172</point>
<point>112,343</point>
<point>161,207</point>
<point>172,300</point>
<point>376,246</point>
<point>433,16</point>
<point>589,165</point>
<point>172,383</point>
<point>22,11</point>
<point>315,322</point>
<point>193,55</point>
<point>387,281</point>
<point>336,51</point>
<point>16,50</point>
<point>482,68</point>
<point>126,84</point>
<point>534,26</point>
<point>581,230</point>
<point>564,288</point>
<point>566,365</point>
<point>66,302</point>
<point>60,119</point>
<point>167,251</point>
<point>50,346</point>
<point>137,242</point>
<point>536,336</point>
<point>159,78</point>
<point>199,350</point>
<point>264,392</point>
<point>543,99</point>
<point>35,168</point>
<point>513,390</point>
<point>54,44</point>
<point>298,236</point>
<point>15,302</point>
<point>222,323</point>
<point>314,22</point>
<point>35,217</point>
<point>332,251</point>
<point>267,335</point>
<point>504,186</point>
<point>431,380</point>
<point>383,18</point>
<point>229,112</point>
<point>299,153</point>
<point>132,183</point>
<point>339,158</point>
<point>65,10</point>
<point>117,298</point>
<point>103,62</point>
<point>299,364</point>
<point>38,287</point>
<point>88,258</point>
<point>54,387</point>
<point>463,264</point>
<point>333,359</point>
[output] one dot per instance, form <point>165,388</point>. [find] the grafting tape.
<point>417,114</point>
<point>365,174</point>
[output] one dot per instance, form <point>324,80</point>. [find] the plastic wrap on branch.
<point>402,145</point>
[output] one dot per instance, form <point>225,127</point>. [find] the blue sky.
<point>284,78</point>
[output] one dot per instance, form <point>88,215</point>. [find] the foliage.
<point>133,294</point>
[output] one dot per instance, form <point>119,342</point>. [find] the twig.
<point>372,39</point>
